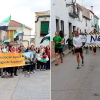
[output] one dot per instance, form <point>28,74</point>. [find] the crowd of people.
<point>76,42</point>
<point>35,63</point>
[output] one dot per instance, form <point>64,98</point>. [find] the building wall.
<point>26,32</point>
<point>27,38</point>
<point>60,12</point>
<point>2,35</point>
<point>38,38</point>
<point>91,22</point>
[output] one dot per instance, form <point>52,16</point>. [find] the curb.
<point>65,52</point>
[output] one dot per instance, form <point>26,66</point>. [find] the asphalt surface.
<point>70,83</point>
<point>21,87</point>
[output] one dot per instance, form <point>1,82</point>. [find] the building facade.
<point>42,20</point>
<point>16,26</point>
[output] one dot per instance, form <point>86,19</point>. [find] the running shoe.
<point>31,72</point>
<point>56,64</point>
<point>78,66</point>
<point>61,61</point>
<point>82,63</point>
<point>94,53</point>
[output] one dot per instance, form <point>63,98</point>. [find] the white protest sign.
<point>93,40</point>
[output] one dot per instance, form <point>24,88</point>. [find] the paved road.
<point>35,87</point>
<point>69,83</point>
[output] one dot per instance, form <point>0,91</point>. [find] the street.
<point>21,87</point>
<point>70,83</point>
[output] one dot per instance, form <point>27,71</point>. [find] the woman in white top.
<point>77,42</point>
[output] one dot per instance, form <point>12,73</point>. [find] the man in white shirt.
<point>77,42</point>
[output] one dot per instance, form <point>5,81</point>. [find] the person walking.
<point>58,47</point>
<point>33,60</point>
<point>77,42</point>
<point>62,35</point>
<point>94,48</point>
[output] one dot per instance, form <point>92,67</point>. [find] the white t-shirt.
<point>0,50</point>
<point>77,41</point>
<point>38,56</point>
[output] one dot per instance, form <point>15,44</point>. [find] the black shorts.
<point>58,50</point>
<point>79,50</point>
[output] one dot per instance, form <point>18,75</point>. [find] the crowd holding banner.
<point>12,57</point>
<point>93,40</point>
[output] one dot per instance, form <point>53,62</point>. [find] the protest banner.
<point>11,60</point>
<point>93,40</point>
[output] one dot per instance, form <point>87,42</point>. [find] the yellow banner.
<point>11,60</point>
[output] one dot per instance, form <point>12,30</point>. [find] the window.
<point>80,31</point>
<point>57,25</point>
<point>85,31</point>
<point>62,25</point>
<point>11,34</point>
<point>44,28</point>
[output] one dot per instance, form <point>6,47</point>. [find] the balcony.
<point>73,13</point>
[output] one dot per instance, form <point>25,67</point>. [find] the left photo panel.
<point>25,50</point>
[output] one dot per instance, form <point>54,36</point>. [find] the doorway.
<point>70,28</point>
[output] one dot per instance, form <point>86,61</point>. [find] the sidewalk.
<point>35,87</point>
<point>65,52</point>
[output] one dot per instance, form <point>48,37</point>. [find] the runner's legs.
<point>82,57</point>
<point>78,58</point>
<point>56,55</point>
<point>61,55</point>
<point>56,58</point>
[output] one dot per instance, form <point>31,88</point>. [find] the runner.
<point>58,47</point>
<point>94,48</point>
<point>77,42</point>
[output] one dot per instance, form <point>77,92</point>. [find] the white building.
<point>42,20</point>
<point>92,20</point>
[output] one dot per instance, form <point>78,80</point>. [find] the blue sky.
<point>23,10</point>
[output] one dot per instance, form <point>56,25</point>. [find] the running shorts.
<point>71,46</point>
<point>58,50</point>
<point>79,50</point>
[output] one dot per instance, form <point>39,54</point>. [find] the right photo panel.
<point>75,50</point>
